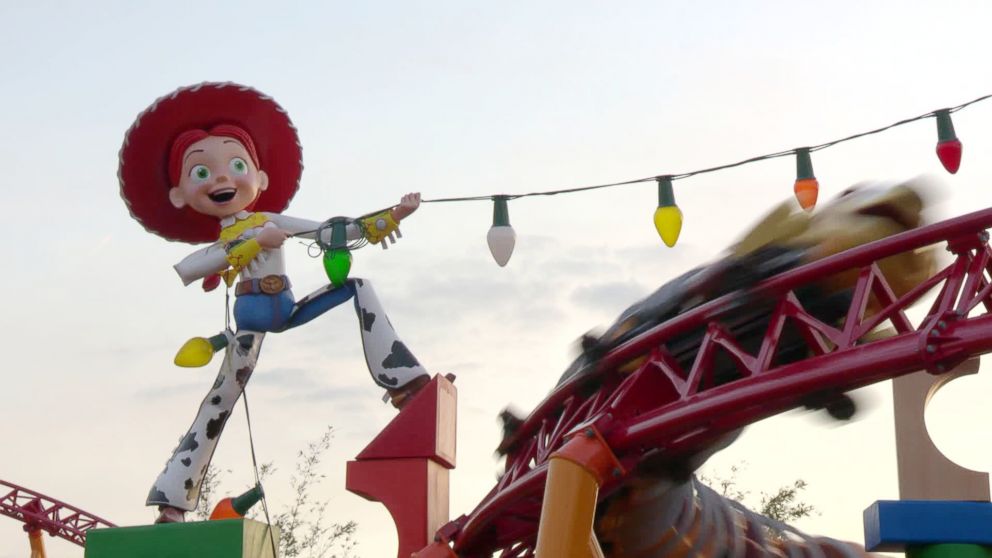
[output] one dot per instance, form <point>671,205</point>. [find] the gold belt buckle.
<point>272,284</point>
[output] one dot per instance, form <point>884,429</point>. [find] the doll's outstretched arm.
<point>202,263</point>
<point>386,224</point>
<point>305,228</point>
<point>375,228</point>
<point>408,204</point>
<point>227,259</point>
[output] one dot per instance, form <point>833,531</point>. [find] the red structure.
<point>664,408</point>
<point>406,466</point>
<point>41,514</point>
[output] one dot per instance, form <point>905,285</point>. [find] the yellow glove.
<point>377,227</point>
<point>239,256</point>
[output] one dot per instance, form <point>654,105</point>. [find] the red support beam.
<point>42,513</point>
<point>748,400</point>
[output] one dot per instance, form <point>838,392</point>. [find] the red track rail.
<point>38,511</point>
<point>665,409</point>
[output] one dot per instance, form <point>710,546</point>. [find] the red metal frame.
<point>664,408</point>
<point>39,512</point>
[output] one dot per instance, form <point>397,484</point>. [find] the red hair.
<point>189,137</point>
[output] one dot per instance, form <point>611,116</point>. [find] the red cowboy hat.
<point>144,157</point>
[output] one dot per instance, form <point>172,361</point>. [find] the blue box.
<point>892,525</point>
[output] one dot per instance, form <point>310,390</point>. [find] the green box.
<point>228,538</point>
<point>949,551</point>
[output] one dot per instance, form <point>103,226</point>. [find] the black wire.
<point>971,102</point>
<point>258,480</point>
<point>547,193</point>
<point>875,131</point>
<point>678,176</point>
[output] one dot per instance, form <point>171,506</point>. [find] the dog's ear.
<point>902,204</point>
<point>511,422</point>
<point>781,224</point>
<point>589,342</point>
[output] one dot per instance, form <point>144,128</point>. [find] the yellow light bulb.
<point>195,353</point>
<point>668,221</point>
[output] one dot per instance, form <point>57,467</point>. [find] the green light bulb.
<point>337,265</point>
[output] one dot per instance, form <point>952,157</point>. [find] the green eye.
<point>239,166</point>
<point>199,172</point>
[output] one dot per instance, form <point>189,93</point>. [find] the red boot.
<point>400,396</point>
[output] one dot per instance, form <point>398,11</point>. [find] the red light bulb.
<point>948,144</point>
<point>949,153</point>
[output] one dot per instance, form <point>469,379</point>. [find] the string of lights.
<point>668,216</point>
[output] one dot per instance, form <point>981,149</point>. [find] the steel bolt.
<point>617,472</point>
<point>589,433</point>
<point>931,349</point>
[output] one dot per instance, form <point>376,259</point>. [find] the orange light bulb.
<point>807,190</point>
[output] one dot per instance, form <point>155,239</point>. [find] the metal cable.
<point>258,480</point>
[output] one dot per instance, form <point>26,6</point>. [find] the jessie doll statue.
<point>217,163</point>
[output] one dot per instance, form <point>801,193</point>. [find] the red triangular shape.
<point>425,427</point>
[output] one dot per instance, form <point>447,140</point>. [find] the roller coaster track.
<point>664,409</point>
<point>41,513</point>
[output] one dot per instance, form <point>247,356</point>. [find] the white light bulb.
<point>502,239</point>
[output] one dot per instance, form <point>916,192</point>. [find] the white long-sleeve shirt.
<point>213,258</point>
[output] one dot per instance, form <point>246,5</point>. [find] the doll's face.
<point>218,178</point>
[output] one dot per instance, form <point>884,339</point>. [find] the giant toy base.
<point>230,538</point>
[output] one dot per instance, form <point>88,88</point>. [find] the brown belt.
<point>270,284</point>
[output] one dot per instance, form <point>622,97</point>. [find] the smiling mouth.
<point>222,196</point>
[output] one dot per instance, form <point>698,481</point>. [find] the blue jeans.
<point>279,312</point>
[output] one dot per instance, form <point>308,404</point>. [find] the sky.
<point>449,99</point>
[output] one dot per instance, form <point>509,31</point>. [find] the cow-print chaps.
<point>178,485</point>
<point>390,362</point>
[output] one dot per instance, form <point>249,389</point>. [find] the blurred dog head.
<point>861,214</point>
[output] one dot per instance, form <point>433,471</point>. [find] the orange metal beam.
<point>37,543</point>
<point>575,474</point>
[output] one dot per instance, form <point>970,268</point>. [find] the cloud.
<point>286,378</point>
<point>612,296</point>
<point>173,390</point>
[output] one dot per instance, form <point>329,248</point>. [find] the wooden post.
<point>406,466</point>
<point>924,472</point>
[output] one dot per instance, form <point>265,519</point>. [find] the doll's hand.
<point>408,204</point>
<point>271,237</point>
